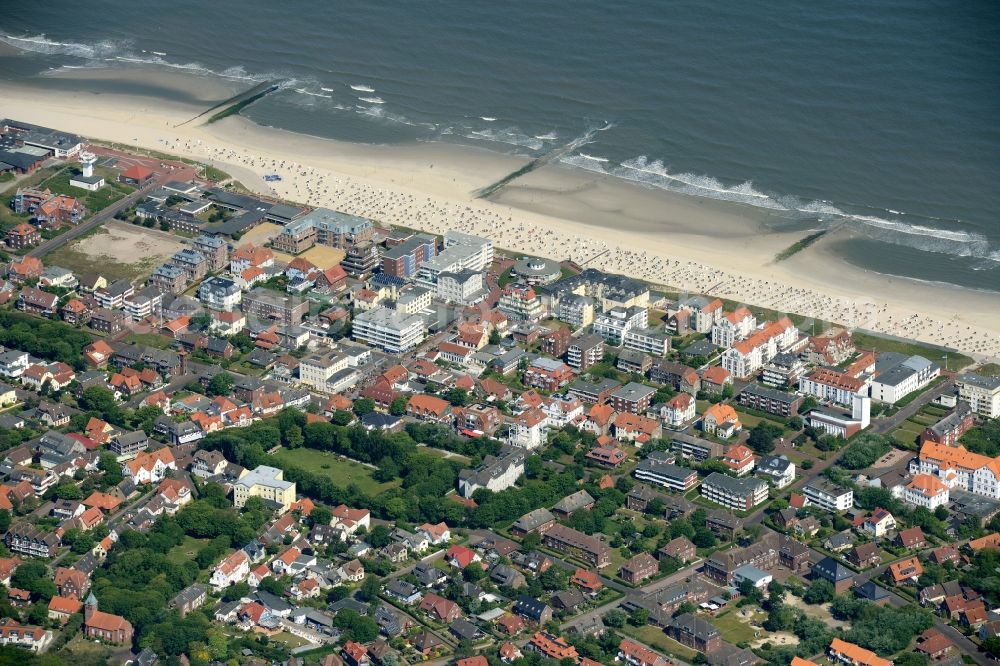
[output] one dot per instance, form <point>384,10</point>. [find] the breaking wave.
<point>512,136</point>
<point>878,224</point>
<point>121,51</point>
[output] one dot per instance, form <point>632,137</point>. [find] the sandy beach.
<point>681,242</point>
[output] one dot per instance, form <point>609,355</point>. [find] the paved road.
<point>599,612</point>
<point>98,219</point>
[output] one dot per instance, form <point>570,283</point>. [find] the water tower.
<point>87,161</point>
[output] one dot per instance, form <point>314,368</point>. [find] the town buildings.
<point>267,483</point>
<point>735,494</point>
<point>896,376</point>
<point>981,393</point>
<point>390,330</point>
<point>495,474</point>
<point>656,470</point>
<point>588,548</point>
<point>265,304</point>
<point>828,495</point>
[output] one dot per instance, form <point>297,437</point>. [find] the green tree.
<point>363,406</point>
<point>102,400</point>
<point>112,469</point>
<point>320,515</point>
<point>221,384</point>
<point>272,585</point>
<point>639,617</point>
<point>237,591</point>
<point>293,437</point>
<point>369,588</point>
<point>820,592</point>
<point>200,321</point>
<point>762,437</point>
<point>457,396</point>
<point>473,572</point>
<point>398,405</point>
<point>615,618</point>
<point>379,536</point>
<point>685,607</point>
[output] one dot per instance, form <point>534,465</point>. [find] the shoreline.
<point>680,241</point>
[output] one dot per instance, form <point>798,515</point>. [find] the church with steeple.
<point>105,626</point>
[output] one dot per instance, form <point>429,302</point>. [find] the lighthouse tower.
<point>87,180</point>
<point>87,161</point>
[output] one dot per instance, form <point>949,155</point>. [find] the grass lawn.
<point>933,410</point>
<point>906,438</point>
<point>617,560</point>
<point>733,629</point>
<point>83,651</point>
<point>447,455</point>
<point>809,450</point>
<point>910,348</point>
<point>341,471</point>
<point>96,201</point>
<point>989,370</point>
<point>247,369</point>
<point>911,426</point>
<point>751,420</point>
<point>656,638</point>
<point>923,419</point>
<point>149,339</point>
<point>186,550</point>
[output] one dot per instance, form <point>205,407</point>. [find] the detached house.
<point>233,569</point>
<point>149,467</point>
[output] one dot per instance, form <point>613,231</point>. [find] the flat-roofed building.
<point>461,251</point>
<point>981,392</point>
<point>390,330</point>
<point>585,351</point>
<point>828,495</point>
<point>616,322</point>
<point>654,341</point>
<point>897,376</point>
